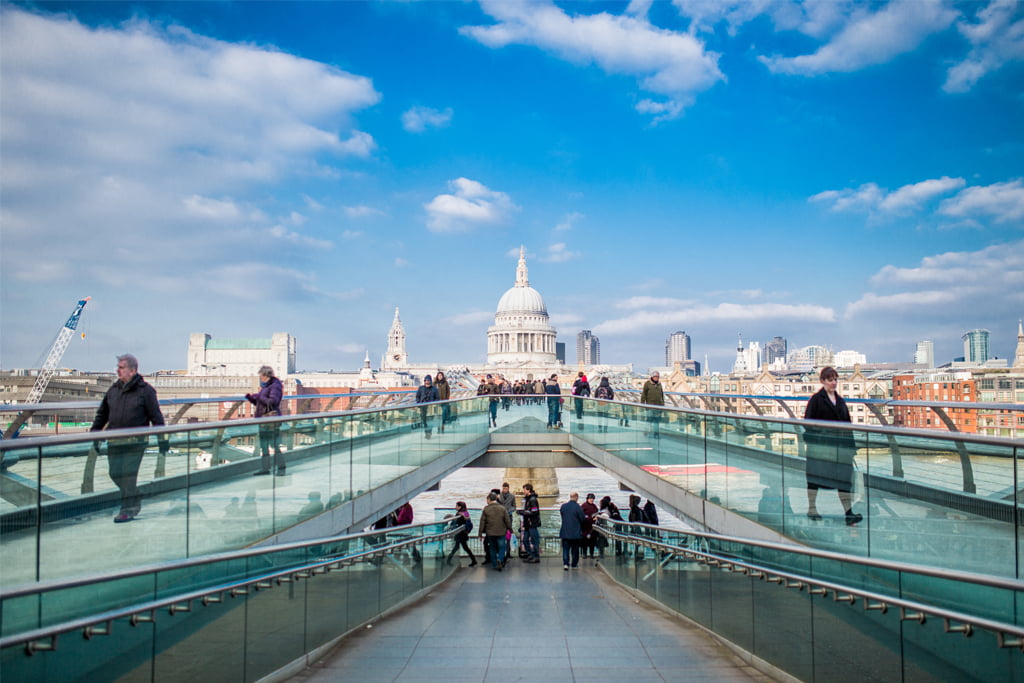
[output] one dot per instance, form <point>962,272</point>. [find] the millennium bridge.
<point>229,577</point>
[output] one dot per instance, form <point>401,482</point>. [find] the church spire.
<point>522,276</point>
<point>1018,357</point>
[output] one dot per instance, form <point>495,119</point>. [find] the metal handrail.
<point>174,604</point>
<point>910,610</point>
<point>81,437</point>
<point>988,580</point>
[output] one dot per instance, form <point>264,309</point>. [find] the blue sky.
<point>839,173</point>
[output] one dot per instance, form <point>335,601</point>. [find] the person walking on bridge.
<point>129,402</point>
<point>653,394</point>
<point>571,531</point>
<point>426,393</point>
<point>531,524</point>
<point>444,393</point>
<point>829,452</point>
<point>580,389</point>
<point>494,525</point>
<point>554,394</point>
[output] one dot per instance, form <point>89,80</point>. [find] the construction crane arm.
<point>56,353</point>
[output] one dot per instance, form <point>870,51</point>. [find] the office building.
<point>677,348</point>
<point>588,348</point>
<point>775,351</point>
<point>976,346</point>
<point>925,354</point>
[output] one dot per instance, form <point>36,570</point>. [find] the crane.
<point>56,353</point>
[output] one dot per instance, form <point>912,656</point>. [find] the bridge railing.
<point>828,616</point>
<point>925,496</point>
<point>232,616</point>
<point>886,412</point>
<point>195,487</point>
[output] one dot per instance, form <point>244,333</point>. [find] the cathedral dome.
<point>522,299</point>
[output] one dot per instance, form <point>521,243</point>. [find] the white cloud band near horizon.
<point>642,320</point>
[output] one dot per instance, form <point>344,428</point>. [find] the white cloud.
<point>400,262</point>
<point>282,233</point>
<point>870,38</point>
<point>559,253</point>
<point>214,209</point>
<point>912,197</point>
<point>418,119</point>
<point>471,204</point>
<point>139,129</point>
<point>674,66</point>
<point>959,286</point>
<point>568,222</point>
<point>351,234</point>
<point>815,19</point>
<point>870,198</point>
<point>1004,202</point>
<point>725,312</point>
<point>636,302</point>
<point>995,39</point>
<point>362,211</point>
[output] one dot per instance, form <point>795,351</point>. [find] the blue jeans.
<point>494,410</point>
<point>571,547</point>
<point>553,410</point>
<point>496,546</point>
<point>532,542</point>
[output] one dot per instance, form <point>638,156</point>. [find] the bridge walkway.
<point>531,622</point>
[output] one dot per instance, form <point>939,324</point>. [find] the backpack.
<point>603,392</point>
<point>468,525</point>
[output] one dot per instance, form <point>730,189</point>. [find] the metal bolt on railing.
<point>879,606</point>
<point>95,630</point>
<point>213,599</point>
<point>35,646</point>
<point>235,592</point>
<point>147,617</point>
<point>799,585</point>
<point>183,607</point>
<point>844,598</point>
<point>965,629</point>
<point>817,591</point>
<point>919,617</point>
<point>1009,642</point>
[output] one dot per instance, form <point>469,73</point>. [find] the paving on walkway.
<point>530,623</point>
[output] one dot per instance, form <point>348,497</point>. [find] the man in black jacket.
<point>531,524</point>
<point>130,402</point>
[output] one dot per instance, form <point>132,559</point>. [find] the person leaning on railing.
<point>268,404</point>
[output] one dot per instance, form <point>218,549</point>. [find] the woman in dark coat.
<point>268,404</point>
<point>461,521</point>
<point>829,452</point>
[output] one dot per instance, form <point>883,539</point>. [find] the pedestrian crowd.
<point>503,527</point>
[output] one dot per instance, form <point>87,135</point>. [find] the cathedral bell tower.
<point>396,357</point>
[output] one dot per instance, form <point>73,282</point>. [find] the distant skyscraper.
<point>677,348</point>
<point>775,351</point>
<point>976,346</point>
<point>560,352</point>
<point>925,354</point>
<point>588,348</point>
